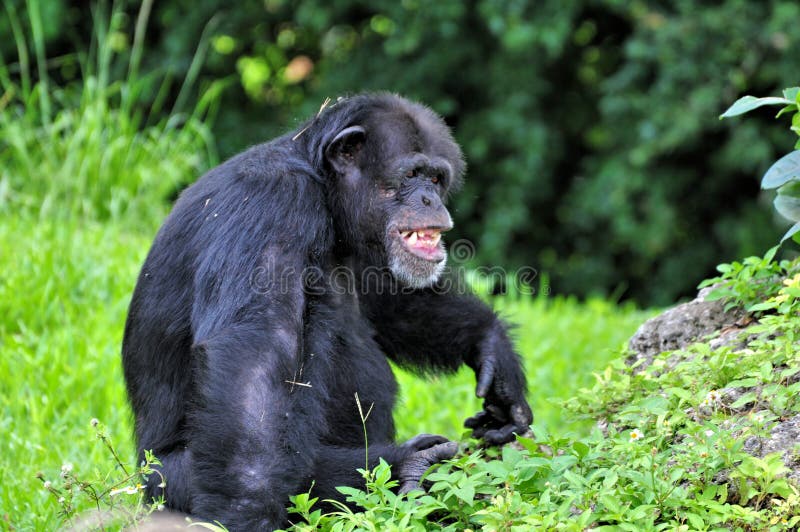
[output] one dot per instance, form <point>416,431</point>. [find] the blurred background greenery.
<point>590,126</point>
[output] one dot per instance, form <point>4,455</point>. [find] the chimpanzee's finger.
<point>479,419</point>
<point>443,451</point>
<point>502,435</point>
<point>424,441</point>
<point>485,377</point>
<point>482,422</point>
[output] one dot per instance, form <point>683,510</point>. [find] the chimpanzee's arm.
<point>435,329</point>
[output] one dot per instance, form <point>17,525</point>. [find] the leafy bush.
<point>89,148</point>
<point>783,175</point>
<point>749,282</point>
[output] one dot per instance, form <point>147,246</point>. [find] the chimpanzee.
<point>271,299</point>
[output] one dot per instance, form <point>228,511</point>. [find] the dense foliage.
<point>590,126</point>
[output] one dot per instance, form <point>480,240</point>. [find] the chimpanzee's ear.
<point>342,150</point>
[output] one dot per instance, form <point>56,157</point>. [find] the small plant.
<point>759,479</point>
<point>750,282</point>
<point>116,499</point>
<point>784,175</point>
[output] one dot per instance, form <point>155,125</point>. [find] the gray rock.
<point>682,325</point>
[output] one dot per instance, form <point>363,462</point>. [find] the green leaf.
<point>529,445</point>
<point>760,307</point>
<point>770,254</point>
<point>580,448</point>
<point>788,192</point>
<point>575,479</point>
<point>348,490</point>
<point>720,293</point>
<point>765,370</point>
<point>782,171</point>
<point>695,520</point>
<point>746,104</point>
<point>611,503</point>
<point>679,392</point>
<point>383,473</point>
<point>640,512</point>
<point>786,109</point>
<point>791,93</point>
<point>497,469</point>
<point>791,232</point>
<point>655,405</point>
<point>676,474</point>
<point>745,399</point>
<point>466,493</point>
<point>610,480</point>
<point>563,462</point>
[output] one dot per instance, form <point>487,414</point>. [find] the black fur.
<point>252,326</point>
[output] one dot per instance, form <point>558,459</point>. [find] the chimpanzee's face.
<point>414,193</point>
<point>396,170</point>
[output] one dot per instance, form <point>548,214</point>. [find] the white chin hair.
<point>420,280</point>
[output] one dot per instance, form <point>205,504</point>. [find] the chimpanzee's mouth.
<point>423,243</point>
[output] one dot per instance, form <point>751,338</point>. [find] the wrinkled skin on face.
<point>406,167</point>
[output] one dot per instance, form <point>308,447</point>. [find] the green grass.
<point>63,295</point>
<point>89,149</point>
<point>64,291</point>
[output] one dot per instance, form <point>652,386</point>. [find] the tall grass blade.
<point>22,48</point>
<point>197,63</point>
<point>35,16</point>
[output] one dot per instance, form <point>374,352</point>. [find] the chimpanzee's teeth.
<point>429,239</point>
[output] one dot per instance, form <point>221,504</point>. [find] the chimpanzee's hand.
<point>427,449</point>
<point>501,383</point>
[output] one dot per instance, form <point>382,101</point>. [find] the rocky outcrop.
<point>685,324</point>
<point>705,320</point>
